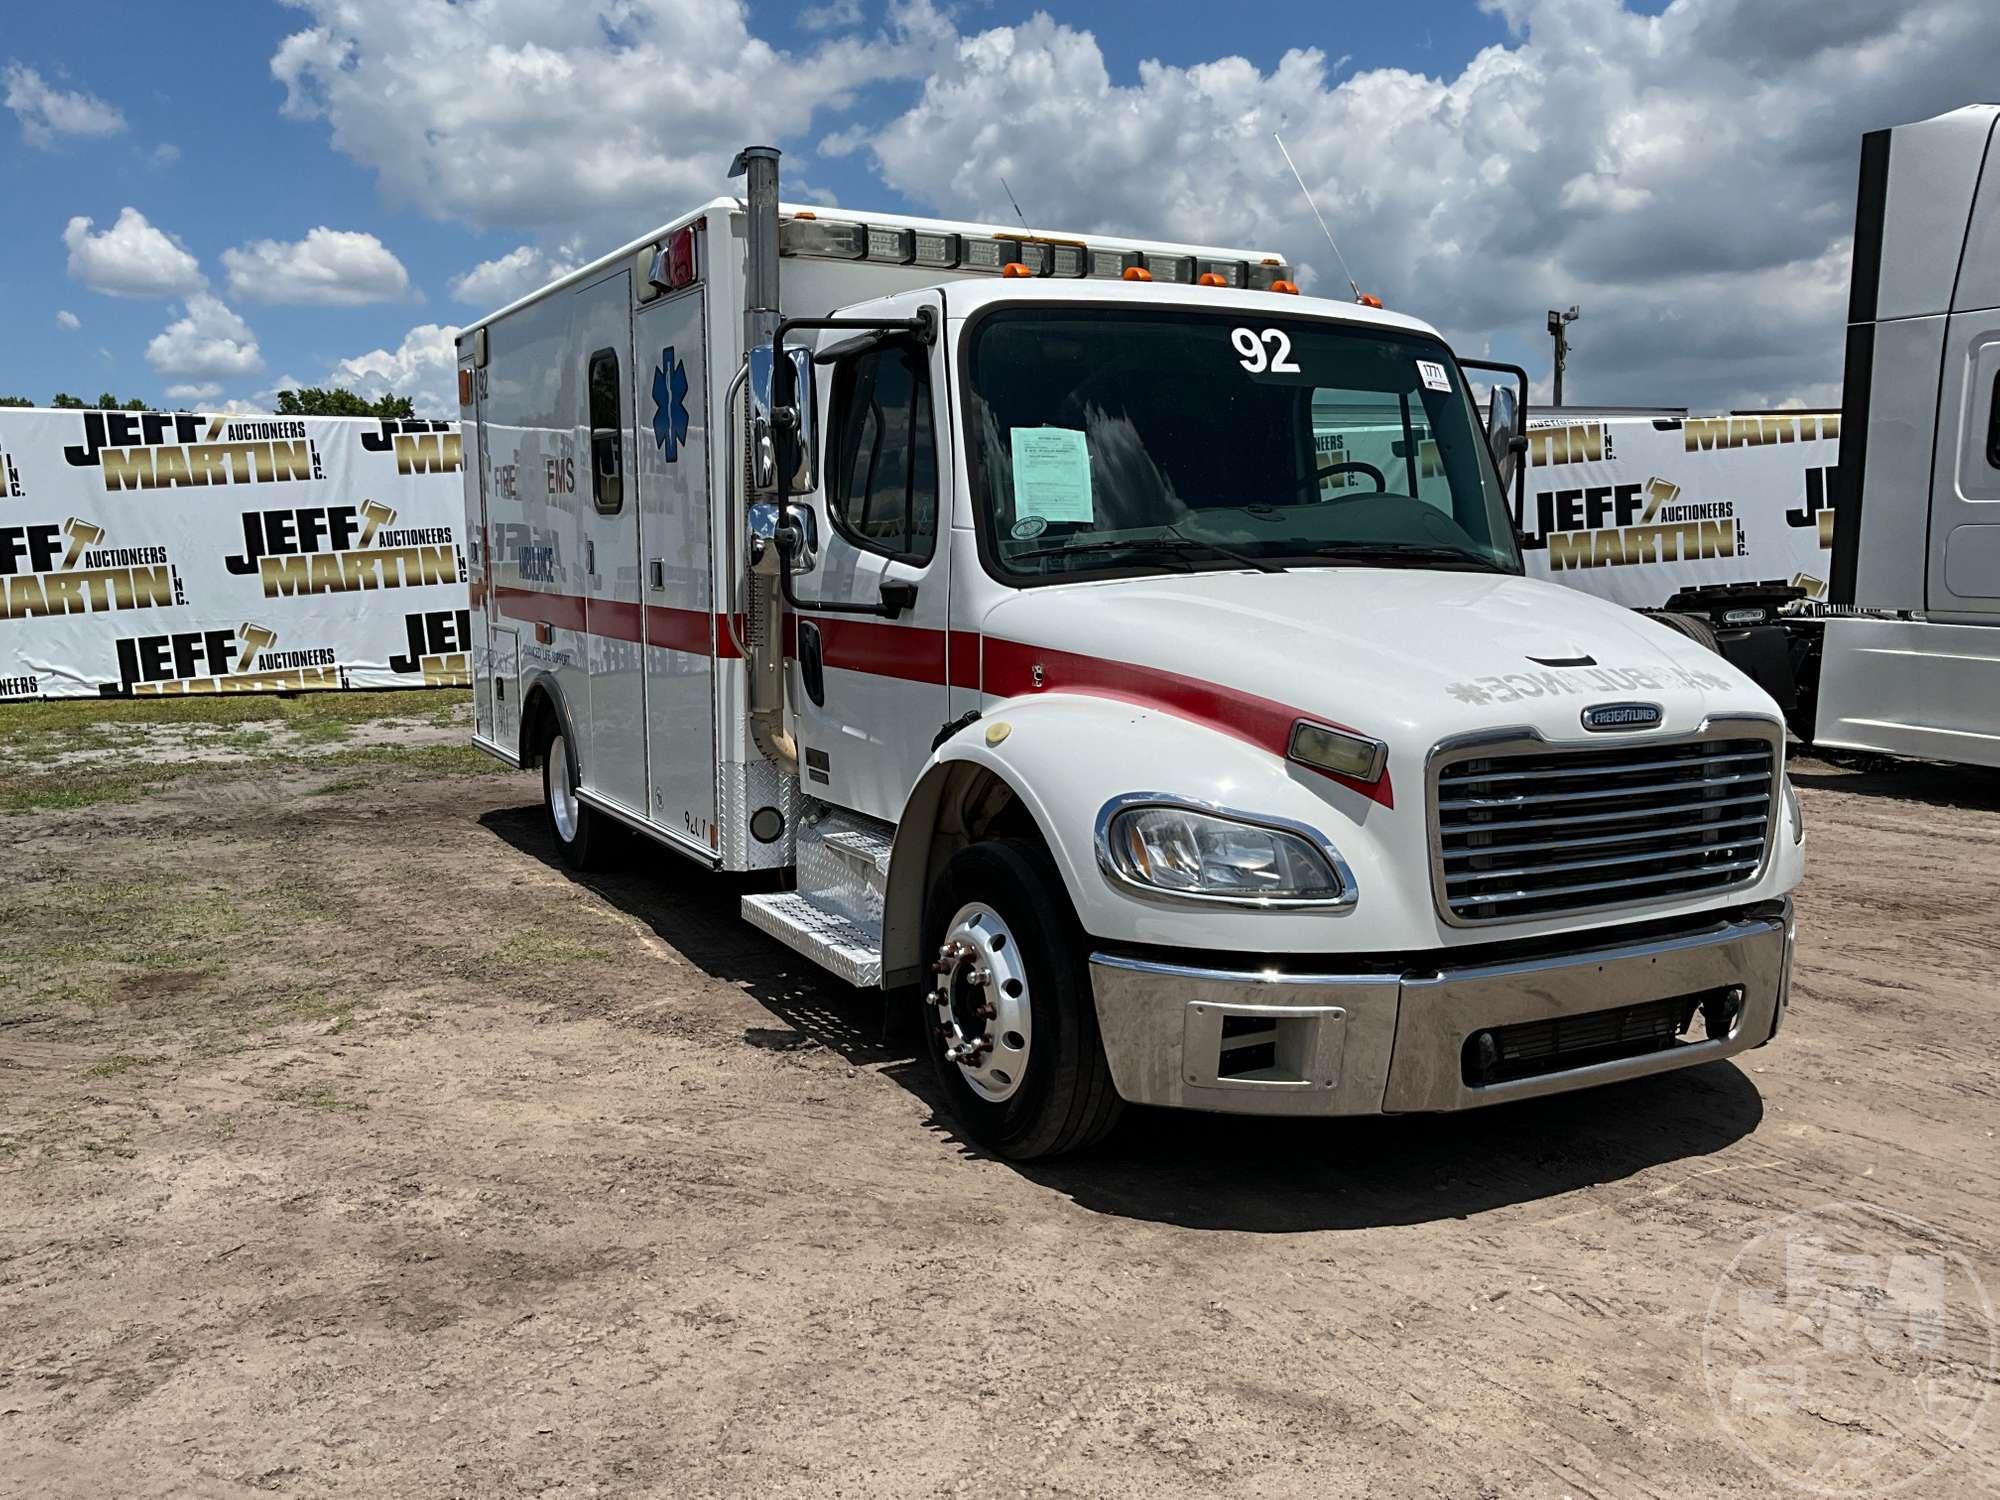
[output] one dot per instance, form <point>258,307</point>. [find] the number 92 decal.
<point>1269,350</point>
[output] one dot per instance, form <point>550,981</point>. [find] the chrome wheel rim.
<point>980,1003</point>
<point>562,794</point>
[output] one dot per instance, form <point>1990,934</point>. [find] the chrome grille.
<point>1525,833</point>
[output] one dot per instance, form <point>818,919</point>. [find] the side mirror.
<point>784,439</point>
<point>797,420</point>
<point>763,449</point>
<point>1503,418</point>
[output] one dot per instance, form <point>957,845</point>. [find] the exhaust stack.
<point>764,655</point>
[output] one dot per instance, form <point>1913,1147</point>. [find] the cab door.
<point>1965,492</point>
<point>869,692</point>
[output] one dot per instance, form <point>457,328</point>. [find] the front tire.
<point>1009,1022</point>
<point>578,830</point>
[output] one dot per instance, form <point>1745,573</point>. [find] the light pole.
<point>1559,331</point>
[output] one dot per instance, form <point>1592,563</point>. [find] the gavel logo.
<point>1659,492</point>
<point>374,516</point>
<point>255,638</point>
<point>81,534</point>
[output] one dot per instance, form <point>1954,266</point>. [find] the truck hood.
<point>1405,655</point>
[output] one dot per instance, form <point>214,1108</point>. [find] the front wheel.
<point>1009,1021</point>
<point>578,830</point>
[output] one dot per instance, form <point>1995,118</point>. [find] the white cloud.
<point>329,267</point>
<point>206,390</point>
<point>831,15</point>
<point>67,320</point>
<point>599,115</point>
<point>166,154</point>
<point>495,283</point>
<point>209,342</point>
<point>130,259</point>
<point>1688,178</point>
<point>423,367</point>
<point>46,112</point>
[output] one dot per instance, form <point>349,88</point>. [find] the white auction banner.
<point>1634,509</point>
<point>166,552</point>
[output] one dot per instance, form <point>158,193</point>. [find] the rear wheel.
<point>1009,1022</point>
<point>1693,627</point>
<point>578,830</point>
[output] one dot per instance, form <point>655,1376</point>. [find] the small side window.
<point>607,435</point>
<point>882,493</point>
<point>1993,426</point>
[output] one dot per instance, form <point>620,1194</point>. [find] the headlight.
<point>1214,856</point>
<point>1792,811</point>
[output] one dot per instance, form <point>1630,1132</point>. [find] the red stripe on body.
<point>909,653</point>
<point>964,659</point>
<point>1263,722</point>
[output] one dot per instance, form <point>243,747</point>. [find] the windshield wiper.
<point>1172,546</point>
<point>1406,552</point>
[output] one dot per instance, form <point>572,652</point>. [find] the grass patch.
<point>538,950</point>
<point>124,1062</point>
<point>66,791</point>
<point>318,1096</point>
<point>435,760</point>
<point>77,716</point>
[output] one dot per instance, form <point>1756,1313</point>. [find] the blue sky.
<point>421,126</point>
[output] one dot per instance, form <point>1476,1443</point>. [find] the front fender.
<point>1066,755</point>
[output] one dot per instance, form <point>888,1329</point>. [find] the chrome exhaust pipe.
<point>764,620</point>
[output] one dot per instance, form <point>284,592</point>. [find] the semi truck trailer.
<point>1023,621</point>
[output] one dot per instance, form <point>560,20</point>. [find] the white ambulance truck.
<point>989,589</point>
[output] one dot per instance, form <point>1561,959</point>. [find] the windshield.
<point>1108,442</point>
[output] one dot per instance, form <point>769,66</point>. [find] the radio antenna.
<point>1317,215</point>
<point>1017,207</point>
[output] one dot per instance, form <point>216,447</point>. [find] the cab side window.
<point>607,445</point>
<point>882,483</point>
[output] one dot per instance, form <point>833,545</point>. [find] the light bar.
<point>896,247</point>
<point>823,237</point>
<point>1177,268</point>
<point>938,251</point>
<point>1111,265</point>
<point>981,254</point>
<point>1264,277</point>
<point>1068,260</point>
<point>1232,272</point>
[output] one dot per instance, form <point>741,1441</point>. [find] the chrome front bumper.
<point>1374,1043</point>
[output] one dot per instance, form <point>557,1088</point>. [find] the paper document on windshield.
<point>1051,474</point>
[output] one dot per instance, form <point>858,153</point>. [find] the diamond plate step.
<point>838,945</point>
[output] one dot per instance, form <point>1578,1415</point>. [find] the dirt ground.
<point>347,1144</point>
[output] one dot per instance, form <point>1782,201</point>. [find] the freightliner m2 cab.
<point>1014,603</point>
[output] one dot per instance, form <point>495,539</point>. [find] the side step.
<point>834,942</point>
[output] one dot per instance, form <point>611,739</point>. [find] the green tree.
<point>65,400</point>
<point>312,401</point>
<point>15,401</point>
<point>109,402</point>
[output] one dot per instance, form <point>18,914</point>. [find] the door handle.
<point>897,596</point>
<point>657,574</point>
<point>812,663</point>
<point>590,558</point>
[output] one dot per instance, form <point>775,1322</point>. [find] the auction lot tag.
<point>1433,375</point>
<point>1051,474</point>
